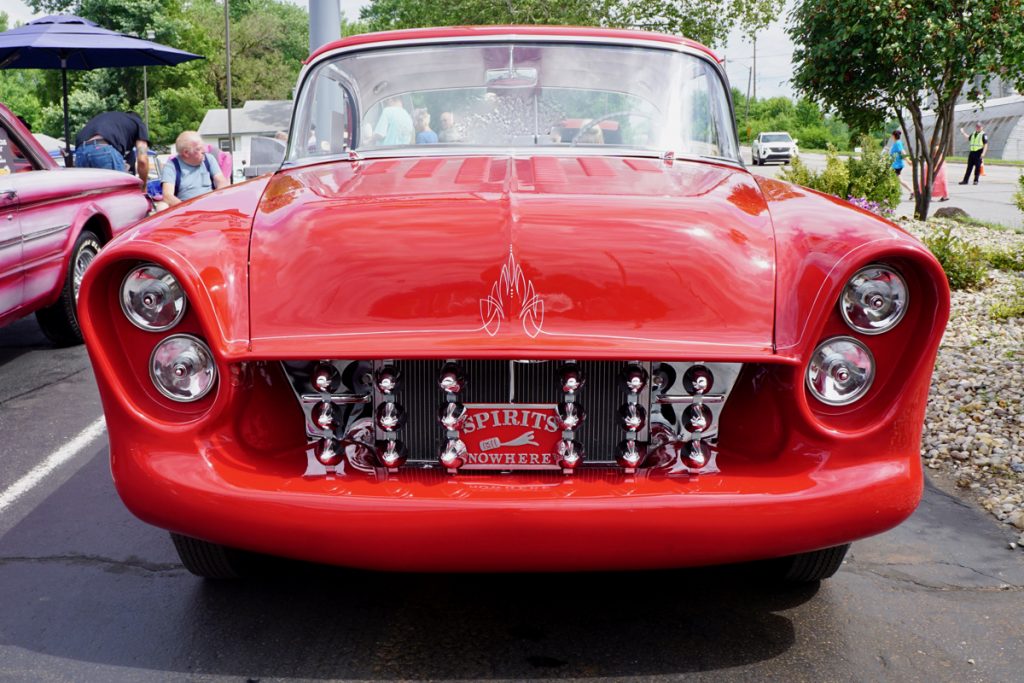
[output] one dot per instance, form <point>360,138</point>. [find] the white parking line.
<point>52,462</point>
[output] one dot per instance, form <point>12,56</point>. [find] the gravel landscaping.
<point>974,427</point>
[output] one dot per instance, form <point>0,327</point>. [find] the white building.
<point>263,118</point>
<point>1003,120</point>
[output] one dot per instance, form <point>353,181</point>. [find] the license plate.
<point>503,436</point>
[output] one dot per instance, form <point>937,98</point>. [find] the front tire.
<point>59,321</point>
<point>210,560</point>
<point>814,566</point>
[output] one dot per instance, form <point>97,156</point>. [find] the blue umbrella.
<point>67,42</point>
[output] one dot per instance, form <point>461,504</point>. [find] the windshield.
<point>428,98</point>
<point>776,137</point>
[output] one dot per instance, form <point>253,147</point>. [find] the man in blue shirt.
<point>192,173</point>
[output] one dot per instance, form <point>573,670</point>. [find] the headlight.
<point>874,300</point>
<point>840,371</point>
<point>151,298</point>
<point>182,368</point>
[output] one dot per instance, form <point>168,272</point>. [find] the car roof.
<point>509,32</point>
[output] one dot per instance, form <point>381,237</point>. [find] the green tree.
<point>708,21</point>
<point>269,41</point>
<point>871,61</point>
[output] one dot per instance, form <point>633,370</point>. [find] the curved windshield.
<point>427,98</point>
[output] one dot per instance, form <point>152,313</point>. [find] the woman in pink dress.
<point>939,189</point>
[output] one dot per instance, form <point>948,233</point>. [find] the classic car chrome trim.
<point>684,399</point>
<point>510,37</point>
<point>439,150</point>
<point>337,399</point>
<point>45,232</point>
<point>10,242</point>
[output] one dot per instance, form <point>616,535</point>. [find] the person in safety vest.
<point>978,143</point>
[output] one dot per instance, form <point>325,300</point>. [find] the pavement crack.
<point>109,563</point>
<point>879,570</point>
<point>35,390</point>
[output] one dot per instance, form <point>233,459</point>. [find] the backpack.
<point>177,173</point>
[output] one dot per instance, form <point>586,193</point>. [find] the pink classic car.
<point>53,222</point>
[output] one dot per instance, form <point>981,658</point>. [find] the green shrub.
<point>868,177</point>
<point>963,262</point>
<point>1006,259</point>
<point>1013,308</point>
<point>835,178</point>
<point>871,175</point>
<point>1018,196</point>
<point>798,173</point>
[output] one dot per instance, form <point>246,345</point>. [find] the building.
<point>256,118</point>
<point>1002,116</point>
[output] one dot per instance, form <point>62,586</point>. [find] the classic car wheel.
<point>59,322</point>
<point>813,566</point>
<point>210,560</point>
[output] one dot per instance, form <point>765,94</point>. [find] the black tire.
<point>753,160</point>
<point>813,566</point>
<point>210,560</point>
<point>59,322</point>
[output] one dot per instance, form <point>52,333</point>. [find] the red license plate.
<point>502,436</point>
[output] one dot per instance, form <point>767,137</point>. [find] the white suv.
<point>777,146</point>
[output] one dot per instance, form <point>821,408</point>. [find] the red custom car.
<point>529,345</point>
<point>53,222</point>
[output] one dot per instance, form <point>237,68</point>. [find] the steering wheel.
<point>595,122</point>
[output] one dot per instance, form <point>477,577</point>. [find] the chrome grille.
<point>355,396</point>
<point>494,381</point>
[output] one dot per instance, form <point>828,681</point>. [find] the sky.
<point>774,49</point>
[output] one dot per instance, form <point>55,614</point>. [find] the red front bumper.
<point>427,521</point>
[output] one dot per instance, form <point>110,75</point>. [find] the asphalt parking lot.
<point>91,594</point>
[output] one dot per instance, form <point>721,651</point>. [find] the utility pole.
<point>227,64</point>
<point>755,66</point>
<point>150,35</point>
<point>746,116</point>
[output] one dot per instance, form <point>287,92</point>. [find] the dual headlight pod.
<point>181,366</point>
<point>874,300</point>
<point>842,368</point>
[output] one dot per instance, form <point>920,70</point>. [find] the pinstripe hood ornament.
<point>512,286</point>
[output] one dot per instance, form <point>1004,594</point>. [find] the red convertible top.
<point>478,31</point>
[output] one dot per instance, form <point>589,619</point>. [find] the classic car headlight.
<point>151,298</point>
<point>840,371</point>
<point>874,300</point>
<point>182,368</point>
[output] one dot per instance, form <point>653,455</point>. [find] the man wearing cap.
<point>978,145</point>
<point>114,140</point>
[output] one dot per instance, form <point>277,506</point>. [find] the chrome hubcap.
<point>85,257</point>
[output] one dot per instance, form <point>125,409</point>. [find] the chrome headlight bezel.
<point>204,349</point>
<point>174,287</point>
<point>859,392</point>
<point>848,304</point>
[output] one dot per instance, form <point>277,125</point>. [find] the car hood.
<point>536,257</point>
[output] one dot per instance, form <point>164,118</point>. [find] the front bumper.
<point>420,520</point>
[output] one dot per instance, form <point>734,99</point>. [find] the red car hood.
<point>534,257</point>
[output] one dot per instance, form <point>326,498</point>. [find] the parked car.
<point>53,222</point>
<point>523,347</point>
<point>777,146</point>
